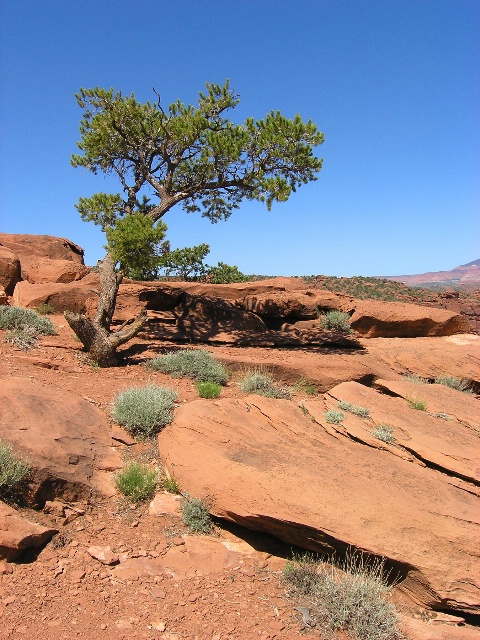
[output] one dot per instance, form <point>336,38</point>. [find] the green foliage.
<point>334,417</point>
<point>196,515</point>
<point>416,403</point>
<point>226,274</point>
<point>336,321</point>
<point>361,412</point>
<point>186,263</point>
<point>12,470</point>
<point>144,411</point>
<point>384,432</point>
<point>347,596</point>
<point>19,318</point>
<point>190,155</point>
<point>137,245</point>
<point>262,384</point>
<point>208,389</point>
<point>459,384</point>
<point>45,309</point>
<point>136,482</point>
<point>197,364</point>
<point>303,386</point>
<point>170,484</point>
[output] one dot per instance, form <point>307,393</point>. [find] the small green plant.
<point>303,386</point>
<point>170,484</point>
<point>414,379</point>
<point>19,319</point>
<point>336,321</point>
<point>384,432</point>
<point>334,417</point>
<point>12,469</point>
<point>45,309</point>
<point>209,389</point>
<point>196,514</point>
<point>350,596</point>
<point>197,364</point>
<point>263,385</point>
<point>460,384</point>
<point>416,403</point>
<point>136,482</point>
<point>143,411</point>
<point>353,408</point>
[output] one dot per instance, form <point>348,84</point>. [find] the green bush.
<point>334,417</point>
<point>336,321</point>
<point>208,389</point>
<point>12,469</point>
<point>136,482</point>
<point>262,384</point>
<point>143,411</point>
<point>226,274</point>
<point>19,319</point>
<point>196,514</point>
<point>170,484</point>
<point>384,432</point>
<point>303,386</point>
<point>347,596</point>
<point>361,412</point>
<point>45,309</point>
<point>459,384</point>
<point>416,403</point>
<point>197,364</point>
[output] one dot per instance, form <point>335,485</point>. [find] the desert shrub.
<point>170,484</point>
<point>143,411</point>
<point>136,482</point>
<point>225,274</point>
<point>19,319</point>
<point>417,403</point>
<point>353,408</point>
<point>208,389</point>
<point>334,417</point>
<point>336,321</point>
<point>459,384</point>
<point>23,339</point>
<point>197,364</point>
<point>303,386</point>
<point>12,469</point>
<point>384,432</point>
<point>45,309</point>
<point>196,514</point>
<point>262,384</point>
<point>414,379</point>
<point>350,596</point>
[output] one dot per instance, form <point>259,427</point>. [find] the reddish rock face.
<point>18,534</point>
<point>9,269</point>
<point>275,467</point>
<point>65,439</point>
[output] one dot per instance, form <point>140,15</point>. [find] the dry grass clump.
<point>197,364</point>
<point>262,384</point>
<point>12,470</point>
<point>361,412</point>
<point>349,596</point>
<point>460,384</point>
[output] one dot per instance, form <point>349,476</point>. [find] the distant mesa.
<point>464,276</point>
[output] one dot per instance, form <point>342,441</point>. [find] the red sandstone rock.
<point>104,555</point>
<point>18,534</point>
<point>65,439</point>
<point>9,269</point>
<point>302,305</point>
<point>3,296</point>
<point>373,319</point>
<point>269,467</point>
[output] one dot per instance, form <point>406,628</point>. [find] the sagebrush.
<point>19,319</point>
<point>336,321</point>
<point>197,364</point>
<point>143,411</point>
<point>361,412</point>
<point>334,417</point>
<point>384,432</point>
<point>460,384</point>
<point>263,385</point>
<point>196,514</point>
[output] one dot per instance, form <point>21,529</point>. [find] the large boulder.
<point>374,319</point>
<point>18,534</point>
<point>9,269</point>
<point>275,467</point>
<point>46,258</point>
<point>71,296</point>
<point>65,439</point>
<point>299,305</point>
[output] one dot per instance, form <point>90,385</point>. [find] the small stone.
<point>178,541</point>
<point>103,626</point>
<point>159,626</point>
<point>158,593</point>
<point>276,625</point>
<point>5,568</point>
<point>103,554</point>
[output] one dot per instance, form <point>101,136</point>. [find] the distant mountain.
<point>466,275</point>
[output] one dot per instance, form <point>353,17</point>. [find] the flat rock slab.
<point>66,440</point>
<point>269,466</point>
<point>18,534</point>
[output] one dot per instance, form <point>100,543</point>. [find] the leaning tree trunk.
<point>97,338</point>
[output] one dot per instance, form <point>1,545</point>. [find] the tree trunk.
<point>97,338</point>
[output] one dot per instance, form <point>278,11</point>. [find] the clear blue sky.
<point>394,85</point>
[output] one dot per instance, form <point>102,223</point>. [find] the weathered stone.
<point>9,269</point>
<point>18,534</point>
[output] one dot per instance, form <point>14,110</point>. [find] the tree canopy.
<point>193,156</point>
